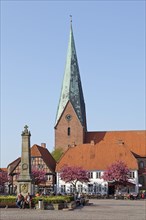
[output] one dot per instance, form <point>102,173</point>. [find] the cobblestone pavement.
<point>97,210</point>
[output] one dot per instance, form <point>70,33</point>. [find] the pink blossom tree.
<point>117,172</point>
<point>3,179</point>
<point>72,174</point>
<point>38,176</point>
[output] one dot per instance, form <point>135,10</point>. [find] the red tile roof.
<point>134,140</point>
<point>37,150</point>
<point>4,169</point>
<point>98,156</point>
<point>12,166</point>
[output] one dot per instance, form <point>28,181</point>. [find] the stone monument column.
<point>25,180</point>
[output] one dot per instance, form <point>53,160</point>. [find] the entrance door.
<point>111,190</point>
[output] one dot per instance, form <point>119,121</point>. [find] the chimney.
<point>74,144</point>
<point>120,142</point>
<point>92,142</point>
<point>43,145</point>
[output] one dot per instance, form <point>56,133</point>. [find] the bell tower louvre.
<point>70,124</point>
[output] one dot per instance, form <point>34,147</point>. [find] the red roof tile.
<point>4,169</point>
<point>46,156</point>
<point>98,156</point>
<point>134,140</point>
<point>36,151</point>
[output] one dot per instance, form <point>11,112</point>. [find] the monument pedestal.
<point>25,181</point>
<point>25,187</point>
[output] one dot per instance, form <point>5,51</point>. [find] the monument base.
<point>25,187</point>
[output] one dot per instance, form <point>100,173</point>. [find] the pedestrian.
<point>27,200</point>
<point>142,195</point>
<point>20,201</point>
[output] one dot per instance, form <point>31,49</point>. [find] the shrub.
<point>11,200</point>
<point>53,199</point>
<point>7,201</point>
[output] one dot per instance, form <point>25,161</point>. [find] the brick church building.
<point>93,150</point>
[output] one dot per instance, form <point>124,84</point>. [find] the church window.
<point>68,131</point>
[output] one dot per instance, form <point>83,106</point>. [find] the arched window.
<point>141,164</point>
<point>68,131</point>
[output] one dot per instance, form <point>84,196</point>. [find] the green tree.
<point>57,153</point>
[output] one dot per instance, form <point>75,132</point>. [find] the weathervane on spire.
<point>70,18</point>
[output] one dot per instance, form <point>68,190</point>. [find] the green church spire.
<point>71,86</point>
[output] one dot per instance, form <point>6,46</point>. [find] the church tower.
<point>70,124</point>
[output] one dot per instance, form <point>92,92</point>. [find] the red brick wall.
<point>62,140</point>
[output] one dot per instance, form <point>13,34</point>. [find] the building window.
<point>80,188</point>
<point>98,175</point>
<point>132,175</point>
<point>68,131</point>
<point>90,188</point>
<point>141,180</point>
<point>71,189</point>
<point>49,177</point>
<point>141,164</point>
<point>90,174</point>
<point>99,187</point>
<point>63,189</point>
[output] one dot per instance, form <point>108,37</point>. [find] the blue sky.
<point>110,45</point>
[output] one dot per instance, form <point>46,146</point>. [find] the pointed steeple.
<point>71,86</point>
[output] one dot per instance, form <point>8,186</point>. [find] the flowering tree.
<point>118,172</point>
<point>3,179</point>
<point>38,176</point>
<point>73,175</point>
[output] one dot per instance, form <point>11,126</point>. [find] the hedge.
<point>10,201</point>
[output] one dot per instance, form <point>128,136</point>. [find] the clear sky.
<point>110,45</point>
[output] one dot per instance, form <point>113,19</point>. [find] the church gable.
<point>69,130</point>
